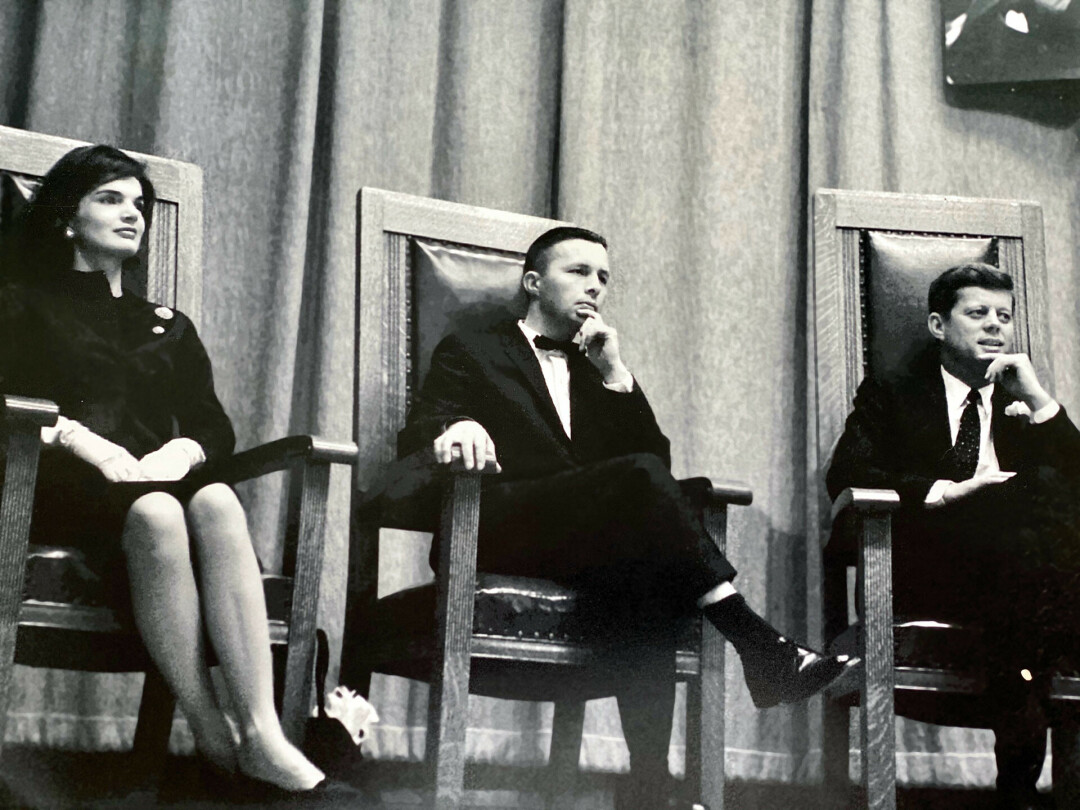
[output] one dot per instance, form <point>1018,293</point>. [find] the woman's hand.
<point>172,461</point>
<point>114,462</point>
<point>121,467</point>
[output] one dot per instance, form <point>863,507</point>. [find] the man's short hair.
<point>548,239</point>
<point>945,289</point>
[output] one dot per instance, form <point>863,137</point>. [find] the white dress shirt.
<point>556,372</point>
<point>956,394</point>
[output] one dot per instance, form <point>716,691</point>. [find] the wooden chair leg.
<point>878,716</point>
<point>713,697</point>
<point>154,725</point>
<point>693,737</point>
<point>566,729</point>
<point>448,703</point>
<point>1065,750</point>
<point>836,749</point>
<point>713,703</point>
<point>16,508</point>
<point>308,488</point>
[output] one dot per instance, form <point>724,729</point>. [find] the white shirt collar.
<point>530,334</point>
<point>528,331</point>
<point>956,392</point>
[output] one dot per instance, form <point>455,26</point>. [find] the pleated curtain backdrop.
<point>689,132</point>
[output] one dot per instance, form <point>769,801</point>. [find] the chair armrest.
<point>29,411</point>
<point>866,501</point>
<point>411,501</point>
<point>280,454</point>
<point>703,492</point>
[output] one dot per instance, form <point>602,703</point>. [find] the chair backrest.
<point>174,244</point>
<point>874,256</point>
<point>425,267</point>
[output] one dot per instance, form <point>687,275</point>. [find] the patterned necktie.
<point>966,449</point>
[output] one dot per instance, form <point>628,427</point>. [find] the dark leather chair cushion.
<point>15,190</point>
<point>926,644</point>
<point>512,607</point>
<point>506,606</point>
<point>60,575</point>
<point>457,288</point>
<point>899,270</point>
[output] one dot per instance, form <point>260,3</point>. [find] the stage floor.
<point>52,780</point>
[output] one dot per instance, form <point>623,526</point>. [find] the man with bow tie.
<point>986,463</point>
<point>585,496</point>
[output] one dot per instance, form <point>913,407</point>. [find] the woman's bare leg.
<point>235,613</point>
<point>167,614</point>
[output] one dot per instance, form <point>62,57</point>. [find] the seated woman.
<point>127,473</point>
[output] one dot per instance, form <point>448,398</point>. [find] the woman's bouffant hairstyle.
<point>36,249</point>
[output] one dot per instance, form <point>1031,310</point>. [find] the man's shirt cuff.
<point>623,386</point>
<point>937,491</point>
<point>1045,413</point>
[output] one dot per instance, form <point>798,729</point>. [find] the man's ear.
<point>531,283</point>
<point>936,324</point>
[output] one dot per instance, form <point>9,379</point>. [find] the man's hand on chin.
<point>600,343</point>
<point>468,441</point>
<point>1016,375</point>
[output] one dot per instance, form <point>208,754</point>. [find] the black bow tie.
<point>568,347</point>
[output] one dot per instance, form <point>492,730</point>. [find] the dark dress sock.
<point>739,624</point>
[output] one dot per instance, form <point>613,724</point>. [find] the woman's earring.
<point>69,233</point>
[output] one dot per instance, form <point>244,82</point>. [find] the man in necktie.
<point>585,496</point>
<point>987,465</point>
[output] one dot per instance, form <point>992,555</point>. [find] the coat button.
<point>164,313</point>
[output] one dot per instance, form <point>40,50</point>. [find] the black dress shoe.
<point>784,672</point>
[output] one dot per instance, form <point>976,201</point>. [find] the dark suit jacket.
<point>897,437</point>
<point>494,378</point>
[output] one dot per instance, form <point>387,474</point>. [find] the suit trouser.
<point>1008,557</point>
<point>621,533</point>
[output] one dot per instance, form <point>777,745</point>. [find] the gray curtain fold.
<point>688,132</point>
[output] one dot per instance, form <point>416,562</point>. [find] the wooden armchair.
<point>51,613</point>
<point>874,257</point>
<point>425,267</point>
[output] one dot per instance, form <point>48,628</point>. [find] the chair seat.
<point>71,618</point>
<point>505,607</point>
<point>940,673</point>
<point>925,644</point>
<point>532,632</point>
<point>60,575</point>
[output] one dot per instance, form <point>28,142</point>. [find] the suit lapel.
<point>521,353</point>
<point>931,413</point>
<point>1005,429</point>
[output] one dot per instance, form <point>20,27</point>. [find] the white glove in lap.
<point>114,462</point>
<point>172,461</point>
